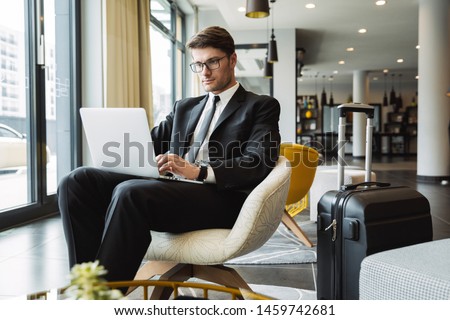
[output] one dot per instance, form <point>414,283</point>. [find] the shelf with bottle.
<point>396,117</point>
<point>411,120</point>
<point>402,122</point>
<point>307,114</point>
<point>400,132</point>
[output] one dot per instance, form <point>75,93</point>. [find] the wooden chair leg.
<point>290,223</point>
<point>220,274</point>
<point>151,269</point>
<point>170,271</point>
<point>181,272</point>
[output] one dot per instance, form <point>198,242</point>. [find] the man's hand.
<point>175,164</point>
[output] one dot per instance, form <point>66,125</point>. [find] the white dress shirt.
<point>225,97</point>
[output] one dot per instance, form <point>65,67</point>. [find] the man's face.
<point>219,79</point>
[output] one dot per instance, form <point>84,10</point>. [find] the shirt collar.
<point>226,95</point>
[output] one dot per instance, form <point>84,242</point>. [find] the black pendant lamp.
<point>392,97</point>
<point>273,52</point>
<point>399,100</point>
<point>315,90</point>
<point>385,98</point>
<point>323,97</point>
<point>268,69</point>
<point>331,104</point>
<point>257,8</point>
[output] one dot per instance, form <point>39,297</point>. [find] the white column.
<point>433,146</point>
<point>360,94</point>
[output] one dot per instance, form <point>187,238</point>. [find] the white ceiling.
<point>326,31</point>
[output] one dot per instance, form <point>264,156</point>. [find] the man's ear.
<point>233,59</point>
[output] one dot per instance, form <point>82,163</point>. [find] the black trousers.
<point>108,216</point>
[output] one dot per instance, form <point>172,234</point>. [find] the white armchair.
<point>201,254</point>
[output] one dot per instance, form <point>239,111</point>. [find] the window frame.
<point>43,205</point>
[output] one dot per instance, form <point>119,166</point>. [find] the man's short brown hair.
<point>215,37</point>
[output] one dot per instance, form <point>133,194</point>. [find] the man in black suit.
<point>108,216</point>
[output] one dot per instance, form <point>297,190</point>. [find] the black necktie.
<point>200,137</point>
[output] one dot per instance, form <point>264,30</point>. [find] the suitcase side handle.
<point>347,187</point>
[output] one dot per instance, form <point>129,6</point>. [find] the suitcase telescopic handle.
<point>369,111</point>
<point>356,107</point>
<point>347,187</point>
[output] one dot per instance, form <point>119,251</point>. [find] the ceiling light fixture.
<point>310,6</point>
<point>300,64</point>
<point>399,101</point>
<point>268,67</point>
<point>362,30</point>
<point>273,52</point>
<point>385,98</point>
<point>392,97</point>
<point>350,49</point>
<point>341,62</point>
<point>257,8</point>
<point>331,104</point>
<point>380,2</point>
<point>400,60</point>
<point>323,98</point>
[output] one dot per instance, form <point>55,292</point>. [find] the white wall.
<point>91,60</point>
<point>284,82</point>
<point>284,73</point>
<point>91,53</point>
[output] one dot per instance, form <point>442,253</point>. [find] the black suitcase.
<point>358,220</point>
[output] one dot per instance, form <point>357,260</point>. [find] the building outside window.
<point>167,42</point>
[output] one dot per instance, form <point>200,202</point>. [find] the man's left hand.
<point>175,164</point>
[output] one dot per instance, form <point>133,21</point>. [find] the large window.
<point>168,55</point>
<point>38,94</point>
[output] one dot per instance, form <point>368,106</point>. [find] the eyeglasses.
<point>212,64</point>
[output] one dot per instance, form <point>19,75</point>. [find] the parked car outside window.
<point>13,148</point>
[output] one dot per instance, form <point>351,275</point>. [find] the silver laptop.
<point>119,140</point>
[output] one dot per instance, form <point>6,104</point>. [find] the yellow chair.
<point>304,161</point>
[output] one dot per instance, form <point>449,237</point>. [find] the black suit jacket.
<point>244,144</point>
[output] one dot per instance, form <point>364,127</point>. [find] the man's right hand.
<point>175,164</point>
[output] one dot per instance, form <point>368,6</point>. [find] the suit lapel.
<point>194,116</point>
<point>234,104</point>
